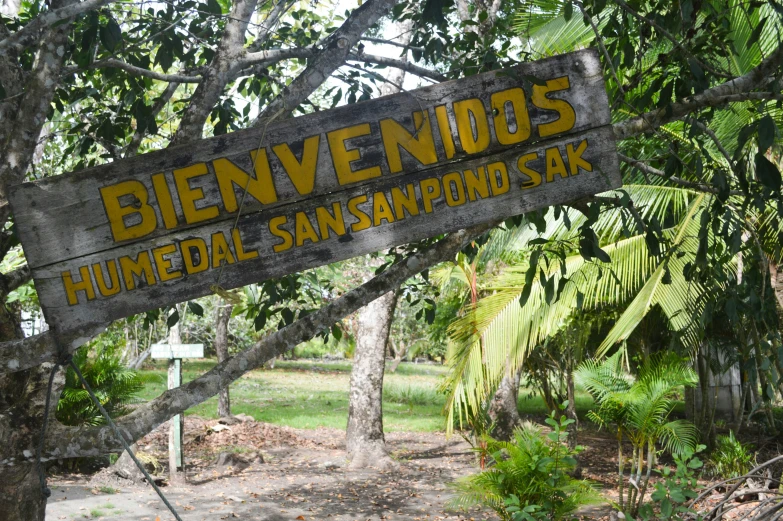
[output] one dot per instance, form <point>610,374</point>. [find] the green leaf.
<point>767,173</point>
<point>754,36</point>
<point>568,10</point>
<point>196,309</point>
<point>260,321</point>
<point>172,320</point>
<point>111,35</point>
<point>666,508</point>
<point>767,133</point>
<point>214,7</point>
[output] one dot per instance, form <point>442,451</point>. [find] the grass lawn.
<point>309,394</point>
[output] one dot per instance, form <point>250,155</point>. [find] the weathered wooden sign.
<point>171,351</point>
<point>141,233</point>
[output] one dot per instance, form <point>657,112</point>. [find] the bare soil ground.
<point>303,477</point>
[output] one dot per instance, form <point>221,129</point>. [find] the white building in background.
<point>33,323</point>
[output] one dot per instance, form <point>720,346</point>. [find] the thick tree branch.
<point>138,71</point>
<point>738,89</point>
<point>399,64</point>
<point>13,279</point>
<point>67,442</point>
<point>334,53</point>
<point>30,33</point>
<point>16,153</point>
<point>26,353</point>
<point>269,56</point>
<point>229,52</point>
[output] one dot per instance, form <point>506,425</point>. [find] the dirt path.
<point>303,478</point>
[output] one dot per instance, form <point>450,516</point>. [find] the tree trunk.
<point>22,399</point>
<point>221,346</point>
<point>364,438</point>
<point>573,429</point>
<point>503,409</point>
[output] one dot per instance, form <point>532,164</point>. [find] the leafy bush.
<point>731,458</point>
<point>115,386</point>
<point>675,490</point>
<point>530,478</point>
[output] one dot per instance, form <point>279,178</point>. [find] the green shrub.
<point>731,458</point>
<point>115,386</point>
<point>411,395</point>
<point>670,501</point>
<point>530,478</point>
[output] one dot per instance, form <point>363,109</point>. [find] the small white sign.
<point>169,351</point>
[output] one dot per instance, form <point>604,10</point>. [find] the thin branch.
<point>392,42</point>
<point>138,135</point>
<point>30,33</point>
<point>265,28</point>
<point>714,138</point>
<point>68,442</point>
<point>399,64</point>
<point>333,54</point>
<point>138,71</point>
<point>269,56</point>
<point>647,169</point>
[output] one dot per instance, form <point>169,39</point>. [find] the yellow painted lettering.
<point>188,196</point>
<point>471,115</point>
<point>444,128</point>
<point>476,183</point>
<point>499,101</point>
<point>261,187</point>
<point>575,159</point>
<point>381,209</point>
<point>342,157</point>
<point>304,229</point>
<point>419,144</point>
<point>567,117</point>
<point>134,269</point>
<point>242,255</point>
<point>165,204</point>
<point>535,177</point>
<point>430,190</point>
<point>194,261</point>
<point>364,219</point>
<point>498,178</point>
<point>136,204</point>
<point>275,229</point>
<point>333,220</point>
<point>220,251</point>
<point>453,189</point>
<point>100,278</point>
<point>404,201</point>
<point>301,173</point>
<point>554,164</point>
<point>163,264</point>
<point>72,287</point>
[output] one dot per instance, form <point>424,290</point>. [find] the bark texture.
<point>221,346</point>
<point>176,474</point>
<point>364,438</point>
<point>503,409</point>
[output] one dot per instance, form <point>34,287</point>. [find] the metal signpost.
<point>144,232</point>
<point>174,353</point>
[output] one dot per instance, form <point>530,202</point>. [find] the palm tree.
<point>634,257</point>
<point>639,407</point>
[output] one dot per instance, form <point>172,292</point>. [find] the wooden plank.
<point>66,217</point>
<point>327,228</point>
<point>166,351</point>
